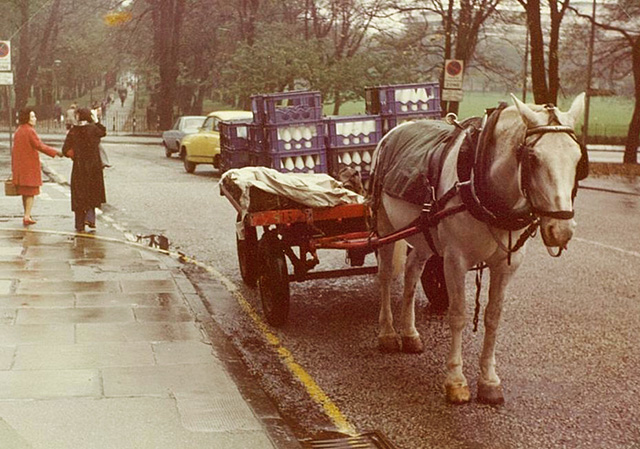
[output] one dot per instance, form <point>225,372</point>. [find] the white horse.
<point>532,162</point>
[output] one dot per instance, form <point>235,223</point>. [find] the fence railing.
<point>116,124</point>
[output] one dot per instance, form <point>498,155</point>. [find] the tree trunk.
<point>554,40</point>
<point>167,20</point>
<point>538,69</point>
<point>23,62</point>
<point>448,34</point>
<point>30,61</point>
<point>337,102</point>
<point>633,134</point>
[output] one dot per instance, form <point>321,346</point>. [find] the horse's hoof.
<point>490,394</point>
<point>389,343</point>
<point>412,345</point>
<point>458,394</point>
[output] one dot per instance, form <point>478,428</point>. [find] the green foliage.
<point>277,61</point>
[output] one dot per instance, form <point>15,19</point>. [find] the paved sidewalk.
<point>106,344</point>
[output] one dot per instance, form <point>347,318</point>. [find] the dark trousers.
<point>85,216</point>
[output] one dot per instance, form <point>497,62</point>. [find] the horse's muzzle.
<point>557,233</point>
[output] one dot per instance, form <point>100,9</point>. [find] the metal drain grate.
<point>368,440</point>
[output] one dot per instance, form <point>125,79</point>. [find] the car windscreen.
<point>192,124</point>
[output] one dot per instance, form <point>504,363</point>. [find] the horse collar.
<point>476,194</point>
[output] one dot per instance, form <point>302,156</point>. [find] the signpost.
<point>453,76</point>
<point>6,77</point>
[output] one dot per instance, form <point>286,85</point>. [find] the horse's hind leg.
<point>456,387</point>
<point>411,342</point>
<point>489,385</point>
<point>388,340</point>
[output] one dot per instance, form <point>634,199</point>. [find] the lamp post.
<point>56,92</point>
<point>56,66</point>
<point>587,102</point>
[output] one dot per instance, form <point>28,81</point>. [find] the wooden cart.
<point>263,260</point>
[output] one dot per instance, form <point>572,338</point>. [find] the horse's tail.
<point>399,257</point>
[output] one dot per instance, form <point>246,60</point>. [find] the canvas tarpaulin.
<point>261,188</point>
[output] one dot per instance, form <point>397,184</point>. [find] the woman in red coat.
<point>25,161</point>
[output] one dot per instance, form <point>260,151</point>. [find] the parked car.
<point>203,147</point>
<point>187,124</point>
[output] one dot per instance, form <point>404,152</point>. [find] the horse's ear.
<point>527,114</point>
<point>575,111</point>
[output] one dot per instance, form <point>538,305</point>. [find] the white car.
<point>185,125</point>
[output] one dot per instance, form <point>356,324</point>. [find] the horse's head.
<point>551,162</point>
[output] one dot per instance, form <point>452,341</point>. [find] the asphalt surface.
<point>567,352</point>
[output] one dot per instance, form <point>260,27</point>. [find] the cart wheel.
<point>248,255</point>
<point>273,280</point>
<point>434,286</point>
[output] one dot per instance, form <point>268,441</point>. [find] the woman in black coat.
<point>87,181</point>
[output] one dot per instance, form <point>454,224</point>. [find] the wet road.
<point>567,352</point>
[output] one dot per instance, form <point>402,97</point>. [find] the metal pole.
<point>587,103</point>
<point>526,66</point>
<point>10,118</point>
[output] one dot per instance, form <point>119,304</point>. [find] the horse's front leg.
<point>489,385</point>
<point>456,387</point>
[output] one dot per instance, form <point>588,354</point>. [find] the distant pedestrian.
<point>26,170</point>
<point>96,112</point>
<point>87,180</point>
<point>122,93</point>
<point>57,112</point>
<point>70,116</point>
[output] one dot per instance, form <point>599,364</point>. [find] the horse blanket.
<point>409,159</point>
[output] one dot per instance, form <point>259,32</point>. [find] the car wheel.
<point>182,153</point>
<point>167,151</point>
<point>189,166</point>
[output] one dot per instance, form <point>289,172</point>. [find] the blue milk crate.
<point>299,136</point>
<point>286,107</point>
<point>391,122</point>
<point>353,131</point>
<point>299,161</point>
<point>286,162</point>
<point>401,99</point>
<point>234,158</point>
<point>358,158</point>
<point>234,134</point>
<point>256,137</point>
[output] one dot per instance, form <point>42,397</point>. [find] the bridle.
<point>524,156</point>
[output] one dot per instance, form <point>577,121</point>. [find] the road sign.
<point>5,56</point>
<point>452,95</point>
<point>6,78</point>
<point>453,73</point>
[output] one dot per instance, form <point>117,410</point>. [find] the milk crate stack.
<point>403,102</point>
<point>288,132</point>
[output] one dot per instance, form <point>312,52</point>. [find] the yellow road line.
<point>313,389</point>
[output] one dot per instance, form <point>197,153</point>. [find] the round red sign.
<point>4,49</point>
<point>454,68</point>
